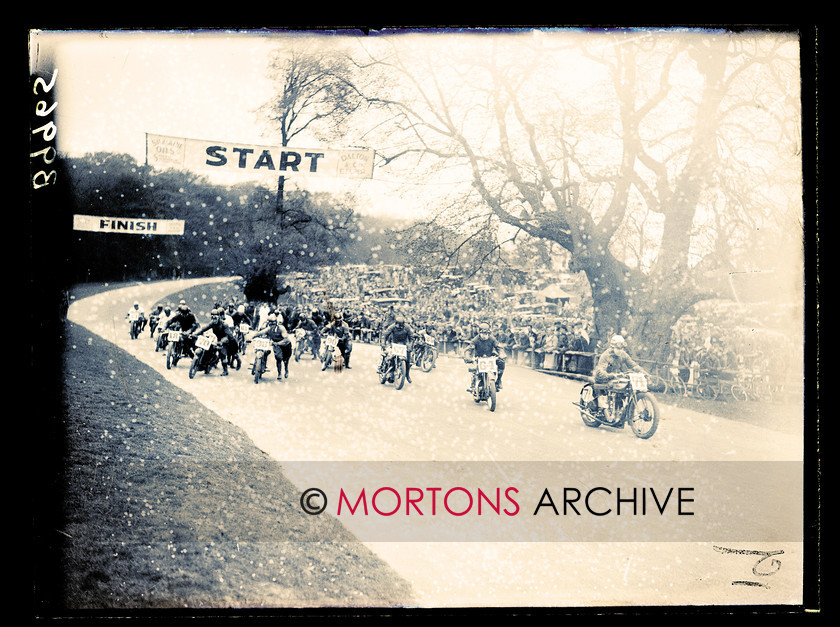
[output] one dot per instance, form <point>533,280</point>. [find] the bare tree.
<point>660,135</point>
<point>315,94</point>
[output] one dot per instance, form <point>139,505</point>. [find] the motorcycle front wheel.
<point>491,395</point>
<point>586,396</point>
<point>194,365</point>
<point>259,366</point>
<point>171,358</point>
<point>428,361</point>
<point>399,374</point>
<point>643,415</point>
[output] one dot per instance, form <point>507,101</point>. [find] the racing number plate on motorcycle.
<point>487,365</point>
<point>399,350</point>
<point>638,382</point>
<point>173,336</point>
<point>203,342</point>
<point>244,328</point>
<point>430,340</point>
<point>262,344</point>
<point>332,341</point>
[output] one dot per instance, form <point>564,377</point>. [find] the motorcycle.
<point>178,347</point>
<point>624,401</point>
<point>135,325</point>
<point>392,365</point>
<point>241,332</point>
<point>263,347</point>
<point>303,342</point>
<point>483,386</point>
<point>329,352</point>
<point>160,338</point>
<point>425,352</point>
<point>205,356</point>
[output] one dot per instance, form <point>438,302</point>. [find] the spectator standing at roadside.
<point>550,360</point>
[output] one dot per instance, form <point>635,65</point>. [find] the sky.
<point>113,87</point>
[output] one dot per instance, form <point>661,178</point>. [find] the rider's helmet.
<point>617,341</point>
<point>399,321</point>
<point>215,313</point>
<point>241,309</point>
<point>484,329</point>
<point>272,318</point>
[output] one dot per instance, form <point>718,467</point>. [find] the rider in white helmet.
<point>615,361</point>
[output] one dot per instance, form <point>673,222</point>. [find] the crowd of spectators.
<point>559,341</point>
<point>450,311</point>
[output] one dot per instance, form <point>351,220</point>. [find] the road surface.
<point>315,422</point>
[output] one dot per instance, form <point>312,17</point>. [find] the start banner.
<point>136,226</point>
<point>207,156</point>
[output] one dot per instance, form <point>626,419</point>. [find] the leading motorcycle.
<point>392,365</point>
<point>624,401</point>
<point>483,386</point>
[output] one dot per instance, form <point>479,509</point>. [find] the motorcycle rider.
<point>485,345</point>
<point>154,318</point>
<point>163,320</point>
<point>307,324</point>
<point>400,333</point>
<point>240,316</point>
<point>613,363</point>
<point>226,316</point>
<point>224,337</point>
<point>281,341</point>
<point>340,329</point>
<point>137,313</point>
<point>185,321</point>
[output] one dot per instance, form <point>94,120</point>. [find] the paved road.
<point>316,417</point>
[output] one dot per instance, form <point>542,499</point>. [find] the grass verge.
<point>157,503</point>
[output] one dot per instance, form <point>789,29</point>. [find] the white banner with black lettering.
<point>208,156</point>
<point>136,226</point>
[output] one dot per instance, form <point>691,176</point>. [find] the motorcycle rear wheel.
<point>643,415</point>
